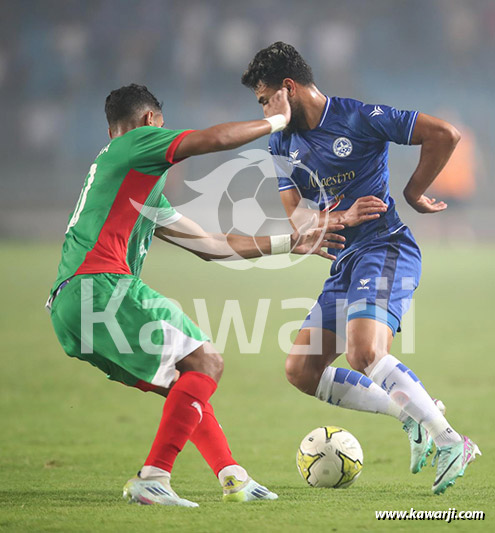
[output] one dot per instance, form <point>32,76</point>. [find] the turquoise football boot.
<point>452,462</point>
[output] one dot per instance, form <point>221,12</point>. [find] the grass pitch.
<point>69,439</point>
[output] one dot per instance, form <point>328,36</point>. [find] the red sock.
<point>181,415</point>
<point>211,442</point>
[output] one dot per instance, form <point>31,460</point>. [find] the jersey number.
<point>82,198</point>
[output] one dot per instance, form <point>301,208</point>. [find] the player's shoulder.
<point>116,150</point>
<point>341,114</point>
<point>345,106</point>
<point>150,141</point>
<point>137,137</point>
<point>354,114</point>
<point>367,110</point>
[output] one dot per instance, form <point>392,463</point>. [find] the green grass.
<point>69,439</point>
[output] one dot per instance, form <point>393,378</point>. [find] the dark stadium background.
<point>60,58</point>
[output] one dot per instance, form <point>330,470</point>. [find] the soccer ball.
<point>330,457</point>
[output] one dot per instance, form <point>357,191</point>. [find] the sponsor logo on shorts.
<point>364,283</point>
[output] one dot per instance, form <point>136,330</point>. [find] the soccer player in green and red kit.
<point>104,314</point>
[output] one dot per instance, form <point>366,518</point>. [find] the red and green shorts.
<point>123,327</point>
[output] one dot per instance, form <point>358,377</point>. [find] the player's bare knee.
<point>212,365</point>
<point>356,362</point>
<point>291,371</point>
<point>205,359</point>
<point>367,342</point>
<point>360,357</point>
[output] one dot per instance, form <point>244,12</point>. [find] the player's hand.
<point>278,105</point>
<point>310,239</point>
<point>363,210</point>
<point>426,205</point>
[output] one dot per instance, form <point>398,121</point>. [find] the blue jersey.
<point>344,158</point>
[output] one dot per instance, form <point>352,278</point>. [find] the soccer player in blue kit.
<point>344,144</point>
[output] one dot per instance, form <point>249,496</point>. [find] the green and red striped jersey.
<point>106,233</point>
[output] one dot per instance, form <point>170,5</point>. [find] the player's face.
<point>264,93</point>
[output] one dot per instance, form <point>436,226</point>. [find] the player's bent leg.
<point>407,391</point>
<point>311,373</point>
<point>304,366</point>
<point>162,339</point>
<point>182,413</point>
<point>212,443</point>
<point>315,348</point>
<point>369,340</point>
<point>207,435</point>
<point>205,360</point>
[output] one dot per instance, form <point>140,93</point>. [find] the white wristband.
<point>280,244</point>
<point>277,122</point>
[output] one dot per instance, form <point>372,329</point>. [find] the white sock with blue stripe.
<point>353,390</point>
<point>407,391</point>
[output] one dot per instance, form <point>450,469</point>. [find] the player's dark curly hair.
<point>272,64</point>
<point>123,104</point>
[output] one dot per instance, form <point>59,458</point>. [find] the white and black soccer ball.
<point>330,457</point>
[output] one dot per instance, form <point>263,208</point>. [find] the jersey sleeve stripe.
<point>411,128</point>
<point>170,155</point>
<point>287,187</point>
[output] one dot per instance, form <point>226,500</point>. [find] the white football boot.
<point>153,491</point>
<point>245,491</point>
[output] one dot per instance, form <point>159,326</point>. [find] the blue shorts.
<point>375,280</point>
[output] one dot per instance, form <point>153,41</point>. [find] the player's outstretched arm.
<point>362,210</point>
<point>234,134</point>
<point>189,235</point>
<point>438,140</point>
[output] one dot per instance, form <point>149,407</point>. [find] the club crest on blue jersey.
<point>342,147</point>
